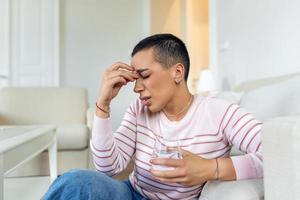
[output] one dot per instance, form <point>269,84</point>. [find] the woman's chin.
<point>153,109</point>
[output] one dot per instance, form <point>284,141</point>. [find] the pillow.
<point>274,100</point>
<point>232,97</point>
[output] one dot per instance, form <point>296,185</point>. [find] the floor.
<point>29,188</point>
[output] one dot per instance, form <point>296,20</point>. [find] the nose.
<point>138,86</point>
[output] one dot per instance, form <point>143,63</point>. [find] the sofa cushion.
<point>43,105</point>
<point>230,96</point>
<point>281,149</point>
<point>233,190</point>
<point>72,137</point>
<point>274,100</point>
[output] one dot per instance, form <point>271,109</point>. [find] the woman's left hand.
<point>191,170</point>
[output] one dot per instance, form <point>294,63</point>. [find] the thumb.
<point>185,153</point>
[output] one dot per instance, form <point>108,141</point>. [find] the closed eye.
<point>144,73</point>
<point>144,77</point>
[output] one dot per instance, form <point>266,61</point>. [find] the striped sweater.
<point>209,129</point>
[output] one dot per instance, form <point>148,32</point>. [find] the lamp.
<point>206,83</point>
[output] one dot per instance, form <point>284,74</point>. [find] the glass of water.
<point>165,149</point>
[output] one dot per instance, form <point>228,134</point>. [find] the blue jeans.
<point>90,185</point>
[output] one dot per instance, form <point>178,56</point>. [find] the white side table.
<point>19,144</point>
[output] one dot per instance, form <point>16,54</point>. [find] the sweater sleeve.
<point>113,151</point>
<point>243,131</point>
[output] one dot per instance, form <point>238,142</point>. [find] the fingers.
<point>120,65</point>
<point>118,80</point>
<point>167,162</point>
<point>167,173</point>
<point>129,76</point>
<point>184,153</point>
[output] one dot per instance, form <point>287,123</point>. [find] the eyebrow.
<point>139,71</point>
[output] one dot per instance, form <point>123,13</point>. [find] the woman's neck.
<point>179,105</point>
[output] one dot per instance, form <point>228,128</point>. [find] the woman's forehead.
<point>142,59</point>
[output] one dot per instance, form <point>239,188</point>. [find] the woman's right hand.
<point>113,79</point>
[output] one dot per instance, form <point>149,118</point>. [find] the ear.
<point>178,73</point>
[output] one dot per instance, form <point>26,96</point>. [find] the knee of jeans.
<point>81,176</point>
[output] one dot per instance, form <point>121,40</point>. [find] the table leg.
<point>1,178</point>
<point>53,159</point>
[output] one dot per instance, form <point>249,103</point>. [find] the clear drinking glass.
<point>165,149</point>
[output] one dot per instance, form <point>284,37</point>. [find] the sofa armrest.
<point>281,149</point>
<point>252,189</point>
<point>90,117</point>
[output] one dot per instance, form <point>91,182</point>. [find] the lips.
<point>145,100</point>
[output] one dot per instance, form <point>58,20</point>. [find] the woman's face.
<point>156,84</point>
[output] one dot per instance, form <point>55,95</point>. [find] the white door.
<point>30,37</point>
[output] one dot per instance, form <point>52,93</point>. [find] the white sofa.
<point>65,108</point>
<point>275,101</point>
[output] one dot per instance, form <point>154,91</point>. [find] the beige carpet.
<point>25,188</point>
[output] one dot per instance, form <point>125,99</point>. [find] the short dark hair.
<point>168,50</point>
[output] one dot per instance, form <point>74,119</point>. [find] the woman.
<point>205,127</point>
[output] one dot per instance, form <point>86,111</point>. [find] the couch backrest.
<point>43,105</point>
<point>272,97</point>
<point>254,84</point>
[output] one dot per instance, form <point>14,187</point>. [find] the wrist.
<point>103,109</point>
<point>103,103</point>
<point>214,169</point>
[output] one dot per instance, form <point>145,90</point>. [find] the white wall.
<point>94,35</point>
<point>256,39</point>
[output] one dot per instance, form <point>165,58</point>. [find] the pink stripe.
<point>167,189</point>
<point>143,151</point>
<point>208,142</point>
<point>156,192</point>
<point>129,122</point>
<point>102,150</point>
<point>108,156</point>
<point>258,146</point>
<point>143,162</point>
<point>125,136</point>
<point>146,135</point>
<point>131,114</point>
<point>259,157</point>
<point>145,128</point>
<point>157,196</point>
<point>103,171</point>
<point>231,117</point>
<point>213,151</point>
<point>255,125</point>
<point>137,186</point>
<point>183,139</point>
<point>125,143</point>
<point>220,156</point>
<point>188,145</point>
<point>129,157</point>
<point>110,165</point>
<point>239,120</point>
<point>101,157</point>
<point>241,129</point>
<point>131,110</point>
<point>144,144</point>
<point>180,198</point>
<point>128,128</point>
<point>252,139</point>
